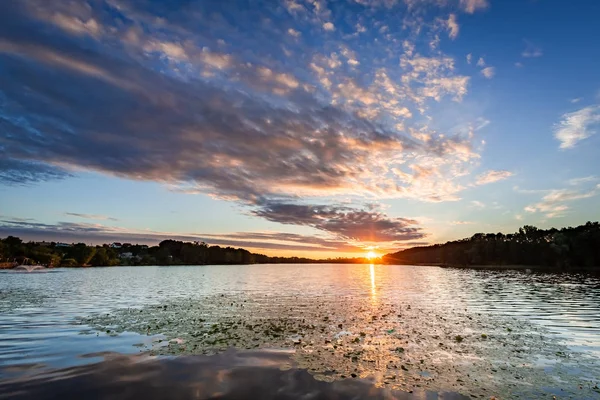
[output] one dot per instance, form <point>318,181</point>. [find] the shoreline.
<point>495,267</point>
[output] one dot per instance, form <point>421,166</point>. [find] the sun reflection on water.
<point>373,291</point>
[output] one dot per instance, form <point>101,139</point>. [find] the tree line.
<point>565,248</point>
<point>14,251</point>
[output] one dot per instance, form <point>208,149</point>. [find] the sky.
<point>297,127</point>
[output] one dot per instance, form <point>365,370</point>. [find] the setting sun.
<point>371,255</point>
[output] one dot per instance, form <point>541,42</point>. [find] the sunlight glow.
<point>372,273</point>
<point>371,255</point>
<point>373,291</point>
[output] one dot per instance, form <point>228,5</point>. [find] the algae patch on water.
<point>398,345</point>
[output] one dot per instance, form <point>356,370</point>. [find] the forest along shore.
<point>566,249</point>
<point>530,247</point>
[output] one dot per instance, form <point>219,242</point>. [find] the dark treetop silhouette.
<point>565,248</point>
<point>14,251</point>
<point>530,246</point>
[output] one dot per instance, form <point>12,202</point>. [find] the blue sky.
<point>297,127</point>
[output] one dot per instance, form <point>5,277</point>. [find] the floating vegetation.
<point>400,346</point>
<point>13,299</point>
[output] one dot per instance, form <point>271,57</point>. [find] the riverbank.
<point>496,267</point>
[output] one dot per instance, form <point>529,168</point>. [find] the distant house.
<point>116,245</point>
<point>126,256</point>
<point>59,244</point>
<point>126,244</point>
<point>44,244</point>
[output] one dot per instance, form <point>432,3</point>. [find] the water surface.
<point>479,333</point>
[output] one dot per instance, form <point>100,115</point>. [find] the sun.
<point>371,255</point>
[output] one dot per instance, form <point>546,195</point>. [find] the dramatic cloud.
<point>343,222</point>
<point>493,176</point>
<point>577,126</point>
<point>240,108</point>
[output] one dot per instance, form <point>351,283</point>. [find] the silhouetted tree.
<point>564,248</point>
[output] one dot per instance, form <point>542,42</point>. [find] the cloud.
<point>232,108</point>
<point>91,216</point>
<point>434,77</point>
<point>554,203</point>
<point>19,172</point>
<point>294,32</point>
<point>171,50</point>
<point>293,7</point>
<point>519,65</point>
<point>75,18</point>
<point>477,204</point>
<point>481,62</point>
<point>453,28</point>
<point>294,156</point>
<point>481,123</point>
<point>350,56</point>
<point>215,60</point>
<point>471,6</point>
<point>328,26</point>
<point>493,176</point>
<point>378,3</point>
<point>585,179</point>
<point>343,222</point>
<point>488,72</point>
<point>98,234</point>
<point>531,50</point>
<point>576,100</point>
<point>77,26</point>
<point>461,223</point>
<point>469,58</point>
<point>577,126</point>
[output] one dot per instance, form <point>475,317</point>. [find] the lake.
<point>416,331</point>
